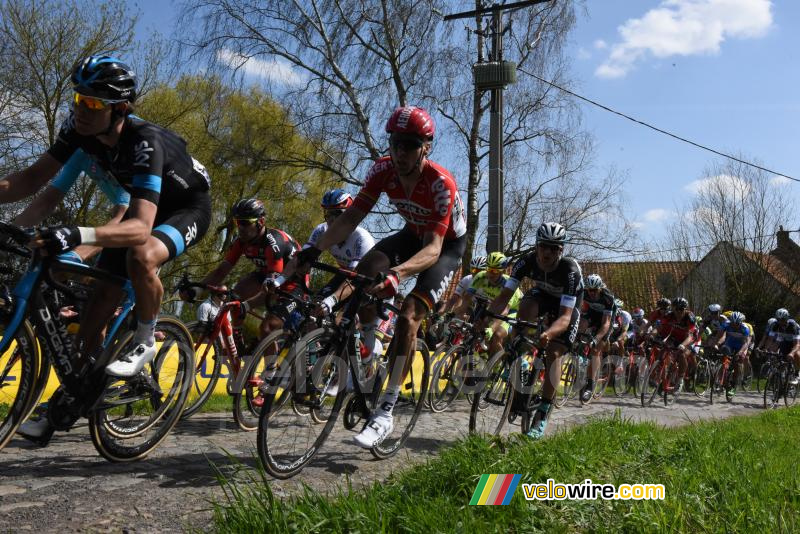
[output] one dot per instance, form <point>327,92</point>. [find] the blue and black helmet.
<point>104,77</point>
<point>336,199</point>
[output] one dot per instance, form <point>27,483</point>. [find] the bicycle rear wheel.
<point>288,439</point>
<point>136,414</point>
<point>746,381</point>
<point>789,390</point>
<point>493,400</point>
<point>20,365</point>
<point>208,366</point>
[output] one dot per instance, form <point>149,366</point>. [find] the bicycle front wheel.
<point>413,390</point>
<point>446,383</point>
<point>288,439</point>
<point>567,380</point>
<point>702,378</point>
<point>651,385</point>
<point>136,414</point>
<point>492,404</point>
<point>19,369</point>
<point>248,397</point>
<point>208,366</point>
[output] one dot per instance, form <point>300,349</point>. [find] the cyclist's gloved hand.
<point>387,286</point>
<point>59,239</point>
<point>271,282</point>
<point>307,256</point>
<point>244,307</point>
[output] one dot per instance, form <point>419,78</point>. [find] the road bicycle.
<point>128,417</point>
<point>311,374</point>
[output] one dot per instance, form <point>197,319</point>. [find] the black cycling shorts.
<point>432,282</point>
<point>550,307</point>
<point>178,228</point>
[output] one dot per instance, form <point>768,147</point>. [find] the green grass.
<point>736,475</point>
<point>218,402</point>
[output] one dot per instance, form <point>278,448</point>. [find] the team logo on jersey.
<point>141,154</point>
<point>273,243</point>
<point>191,233</point>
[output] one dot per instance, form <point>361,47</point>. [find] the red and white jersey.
<point>433,206</point>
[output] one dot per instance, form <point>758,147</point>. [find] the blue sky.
<point>719,72</point>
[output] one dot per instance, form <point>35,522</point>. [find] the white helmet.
<point>782,314</point>
<point>737,317</point>
<point>551,232</point>
<point>593,281</point>
<point>714,308</point>
<point>478,262</point>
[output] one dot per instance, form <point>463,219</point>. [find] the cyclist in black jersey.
<point>597,314</point>
<point>170,208</point>
<point>557,294</point>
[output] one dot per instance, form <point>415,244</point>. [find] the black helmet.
<point>104,77</point>
<point>663,303</point>
<point>248,208</point>
<point>680,303</point>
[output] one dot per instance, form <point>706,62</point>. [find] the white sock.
<point>145,333</point>
<point>387,402</point>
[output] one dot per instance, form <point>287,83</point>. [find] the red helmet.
<point>411,120</point>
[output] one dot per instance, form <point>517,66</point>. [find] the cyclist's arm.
<point>425,258</point>
<point>39,207</point>
<point>560,325</point>
<point>721,338</point>
<point>343,226</point>
<point>500,302</point>
<point>24,183</point>
<point>86,252</point>
<point>465,305</point>
<point>603,330</point>
<point>131,232</point>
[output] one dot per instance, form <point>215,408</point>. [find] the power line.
<point>678,137</point>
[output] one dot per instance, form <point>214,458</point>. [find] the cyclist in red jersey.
<point>678,328</point>
<point>662,309</point>
<point>430,245</point>
<point>268,248</point>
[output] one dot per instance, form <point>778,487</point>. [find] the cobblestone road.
<point>67,487</point>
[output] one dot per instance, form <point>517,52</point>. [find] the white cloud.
<point>779,181</point>
<point>657,215</point>
<point>274,70</point>
<point>731,184</point>
<point>600,44</point>
<point>685,28</point>
<point>584,54</point>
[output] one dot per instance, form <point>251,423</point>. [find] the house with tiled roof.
<point>640,283</point>
<point>751,281</point>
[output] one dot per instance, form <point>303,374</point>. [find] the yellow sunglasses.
<point>245,222</point>
<point>92,103</point>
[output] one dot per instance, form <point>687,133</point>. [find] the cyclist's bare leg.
<point>99,309</point>
<point>499,335</point>
<point>143,262</point>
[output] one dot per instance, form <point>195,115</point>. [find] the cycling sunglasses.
<point>407,143</point>
<point>494,271</point>
<point>333,213</point>
<point>95,104</point>
<point>245,222</point>
<point>550,246</point>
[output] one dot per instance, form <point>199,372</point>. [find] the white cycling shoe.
<point>130,364</point>
<point>376,430</point>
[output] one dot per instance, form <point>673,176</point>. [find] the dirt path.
<point>67,487</point>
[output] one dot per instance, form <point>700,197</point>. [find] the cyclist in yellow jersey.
<point>488,284</point>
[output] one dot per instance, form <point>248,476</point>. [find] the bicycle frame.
<point>58,345</point>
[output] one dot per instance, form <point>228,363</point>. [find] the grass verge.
<point>735,475</point>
